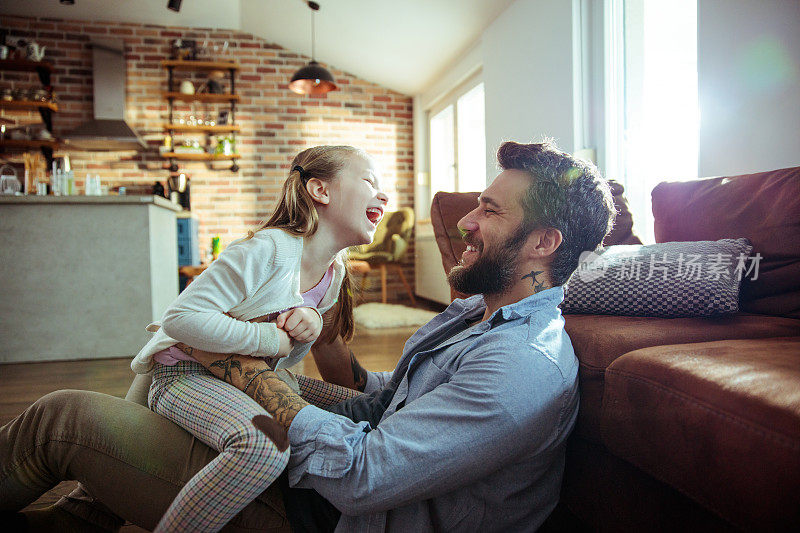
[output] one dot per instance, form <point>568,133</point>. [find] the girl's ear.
<point>318,190</point>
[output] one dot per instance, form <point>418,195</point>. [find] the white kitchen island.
<point>81,276</point>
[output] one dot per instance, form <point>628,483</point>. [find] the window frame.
<point>440,104</point>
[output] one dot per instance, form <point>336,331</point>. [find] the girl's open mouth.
<point>374,215</point>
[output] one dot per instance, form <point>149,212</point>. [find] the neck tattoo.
<point>538,286</point>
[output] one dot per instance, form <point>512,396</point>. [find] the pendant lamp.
<point>312,78</point>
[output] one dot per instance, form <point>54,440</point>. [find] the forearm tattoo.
<point>538,286</point>
<point>269,391</point>
<point>256,378</point>
<point>359,373</point>
<point>226,365</point>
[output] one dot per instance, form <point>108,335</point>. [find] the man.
<point>468,432</point>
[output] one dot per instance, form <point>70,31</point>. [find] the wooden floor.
<point>24,383</point>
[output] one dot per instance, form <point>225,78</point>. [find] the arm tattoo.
<point>184,348</point>
<point>275,396</point>
<point>254,376</point>
<point>538,286</point>
<point>227,364</point>
<point>359,373</point>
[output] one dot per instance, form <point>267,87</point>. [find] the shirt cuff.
<point>306,424</point>
<point>302,436</point>
<point>322,444</point>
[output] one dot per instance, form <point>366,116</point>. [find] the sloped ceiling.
<point>403,45</point>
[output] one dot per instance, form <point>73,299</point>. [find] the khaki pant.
<point>126,456</point>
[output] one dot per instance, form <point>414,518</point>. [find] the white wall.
<point>526,62</point>
<point>528,72</point>
<point>749,85</point>
<point>224,14</point>
<point>526,57</point>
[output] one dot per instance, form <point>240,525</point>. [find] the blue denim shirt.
<point>473,436</point>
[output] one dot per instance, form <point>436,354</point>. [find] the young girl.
<point>284,275</point>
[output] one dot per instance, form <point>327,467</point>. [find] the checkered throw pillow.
<point>670,279</point>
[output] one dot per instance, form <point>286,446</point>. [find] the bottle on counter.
<point>57,182</point>
<point>92,185</point>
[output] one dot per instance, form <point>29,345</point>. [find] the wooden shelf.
<point>178,64</point>
<point>223,128</point>
<point>28,144</point>
<point>200,156</point>
<point>171,96</point>
<point>210,98</point>
<point>44,71</point>
<point>27,104</point>
<point>23,65</point>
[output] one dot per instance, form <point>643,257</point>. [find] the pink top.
<point>311,298</point>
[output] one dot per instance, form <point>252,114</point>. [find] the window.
<point>458,143</point>
<point>652,84</point>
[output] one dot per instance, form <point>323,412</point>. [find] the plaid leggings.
<point>219,415</point>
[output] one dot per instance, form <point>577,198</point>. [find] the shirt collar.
<point>549,298</point>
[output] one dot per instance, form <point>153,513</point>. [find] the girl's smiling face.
<point>357,202</point>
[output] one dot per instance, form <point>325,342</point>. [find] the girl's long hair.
<point>297,214</point>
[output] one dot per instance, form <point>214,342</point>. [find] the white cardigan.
<point>251,278</point>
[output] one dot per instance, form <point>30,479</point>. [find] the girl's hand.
<point>303,324</point>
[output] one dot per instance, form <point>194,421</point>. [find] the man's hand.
<point>303,324</point>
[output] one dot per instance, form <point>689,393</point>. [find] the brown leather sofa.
<point>688,423</point>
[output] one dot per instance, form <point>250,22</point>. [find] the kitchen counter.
<point>82,276</point>
<point>83,200</point>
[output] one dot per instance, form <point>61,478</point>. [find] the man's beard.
<point>495,269</point>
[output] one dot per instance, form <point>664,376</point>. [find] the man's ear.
<point>318,190</point>
<point>543,242</point>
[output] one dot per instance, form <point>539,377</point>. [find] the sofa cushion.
<point>763,207</point>
<point>719,421</point>
<point>670,279</point>
<point>598,340</point>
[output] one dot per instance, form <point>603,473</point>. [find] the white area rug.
<point>378,315</point>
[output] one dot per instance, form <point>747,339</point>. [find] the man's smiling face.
<point>494,233</point>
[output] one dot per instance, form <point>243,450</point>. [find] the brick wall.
<point>276,123</point>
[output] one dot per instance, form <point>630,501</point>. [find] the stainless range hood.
<point>108,131</point>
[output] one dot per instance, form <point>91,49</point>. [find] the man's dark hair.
<point>567,194</point>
